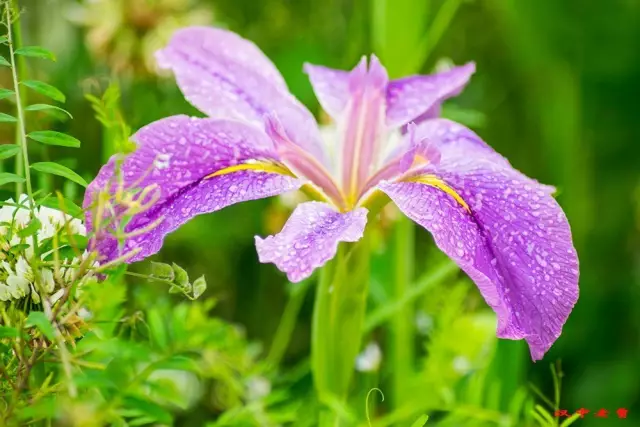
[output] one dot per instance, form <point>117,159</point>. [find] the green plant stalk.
<point>338,320</point>
<point>400,346</point>
<point>21,93</point>
<point>287,324</point>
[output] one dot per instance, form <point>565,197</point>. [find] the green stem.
<point>21,95</point>
<point>287,324</point>
<point>400,346</point>
<point>338,321</point>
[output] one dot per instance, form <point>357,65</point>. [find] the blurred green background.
<point>556,91</point>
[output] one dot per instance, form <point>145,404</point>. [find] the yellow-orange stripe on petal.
<point>436,182</point>
<point>257,166</point>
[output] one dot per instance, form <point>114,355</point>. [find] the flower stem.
<point>338,320</point>
<point>287,323</point>
<point>400,346</point>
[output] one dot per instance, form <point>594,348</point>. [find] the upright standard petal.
<point>504,230</point>
<point>226,76</point>
<point>185,166</point>
<point>310,238</point>
<point>331,87</point>
<point>411,97</point>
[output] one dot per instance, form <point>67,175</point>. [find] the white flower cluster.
<point>17,279</point>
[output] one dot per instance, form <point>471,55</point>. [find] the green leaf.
<point>4,62</point>
<point>31,229</point>
<point>199,286</point>
<point>8,150</point>
<point>6,178</point>
<point>35,52</point>
<point>6,118</point>
<point>52,137</point>
<point>47,108</point>
<point>45,89</point>
<point>420,422</point>
<point>178,362</point>
<point>5,93</point>
<point>145,407</point>
<point>40,321</point>
<point>9,332</point>
<point>157,328</point>
<point>162,271</point>
<point>182,278</point>
<point>56,169</point>
<point>4,39</point>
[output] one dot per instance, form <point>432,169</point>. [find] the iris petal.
<point>310,238</point>
<point>514,240</point>
<point>178,158</point>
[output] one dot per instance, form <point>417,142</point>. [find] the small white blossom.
<point>370,358</point>
<point>17,278</point>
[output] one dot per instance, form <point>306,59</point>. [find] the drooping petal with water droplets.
<point>174,160</point>
<point>310,238</point>
<point>409,98</point>
<point>226,76</point>
<point>515,243</point>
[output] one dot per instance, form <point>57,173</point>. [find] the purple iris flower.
<point>505,230</point>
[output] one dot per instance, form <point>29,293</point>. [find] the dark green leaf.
<point>6,178</point>
<point>9,332</point>
<point>51,137</point>
<point>47,108</point>
<point>199,286</point>
<point>8,150</point>
<point>56,169</point>
<point>29,230</point>
<point>4,62</point>
<point>162,271</point>
<point>6,118</point>
<point>66,206</point>
<point>35,52</point>
<point>5,93</point>
<point>45,89</point>
<point>40,321</point>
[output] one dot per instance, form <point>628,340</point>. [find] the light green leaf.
<point>45,89</point>
<point>36,52</point>
<point>40,321</point>
<point>51,137</point>
<point>420,422</point>
<point>8,150</point>
<point>47,107</point>
<point>162,271</point>
<point>157,329</point>
<point>6,118</point>
<point>4,62</point>
<point>5,93</point>
<point>4,39</point>
<point>6,178</point>
<point>199,286</point>
<point>56,169</point>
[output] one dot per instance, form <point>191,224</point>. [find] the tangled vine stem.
<point>22,140</point>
